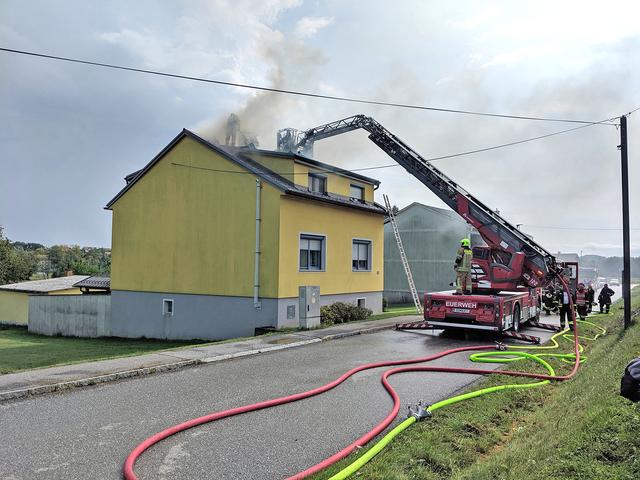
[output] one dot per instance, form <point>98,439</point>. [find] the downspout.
<point>256,269</point>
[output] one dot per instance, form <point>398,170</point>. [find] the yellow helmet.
<point>465,242</point>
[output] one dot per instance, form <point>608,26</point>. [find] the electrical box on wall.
<point>309,300</point>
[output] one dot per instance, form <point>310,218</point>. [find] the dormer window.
<point>317,183</point>
<point>356,192</point>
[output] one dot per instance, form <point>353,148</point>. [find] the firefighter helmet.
<point>465,242</point>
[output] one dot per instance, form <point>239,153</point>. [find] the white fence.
<point>70,315</point>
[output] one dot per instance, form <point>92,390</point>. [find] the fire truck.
<point>507,274</point>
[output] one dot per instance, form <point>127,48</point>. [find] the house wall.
<point>68,291</point>
<point>282,166</point>
<point>192,231</point>
<point>340,225</point>
<point>335,183</point>
<point>14,307</point>
<point>208,317</point>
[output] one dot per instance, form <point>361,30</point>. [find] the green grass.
<point>21,350</point>
<point>580,429</point>
<point>395,311</point>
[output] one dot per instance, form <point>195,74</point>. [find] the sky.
<point>70,133</point>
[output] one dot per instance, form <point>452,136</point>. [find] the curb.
<point>139,372</point>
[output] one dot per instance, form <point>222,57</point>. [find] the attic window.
<point>317,183</point>
<point>356,192</point>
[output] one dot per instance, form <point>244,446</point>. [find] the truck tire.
<point>516,318</point>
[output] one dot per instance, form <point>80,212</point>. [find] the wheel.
<point>516,318</point>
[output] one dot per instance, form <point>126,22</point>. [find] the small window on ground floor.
<point>167,306</point>
<point>361,255</point>
<point>362,302</point>
<point>312,248</point>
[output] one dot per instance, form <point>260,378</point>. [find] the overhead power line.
<point>443,157</point>
<point>574,228</point>
<point>296,92</point>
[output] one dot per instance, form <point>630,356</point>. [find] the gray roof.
<point>44,286</point>
<point>103,283</point>
<point>445,212</point>
<point>237,155</point>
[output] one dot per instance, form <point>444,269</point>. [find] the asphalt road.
<point>88,433</point>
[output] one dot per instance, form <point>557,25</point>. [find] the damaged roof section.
<point>241,157</point>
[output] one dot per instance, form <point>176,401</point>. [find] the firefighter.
<point>463,268</point>
<point>550,300</point>
<point>604,299</point>
<point>581,301</point>
<point>565,308</point>
<point>591,294</point>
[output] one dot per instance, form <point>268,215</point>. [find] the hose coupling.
<point>501,347</point>
<point>420,412</point>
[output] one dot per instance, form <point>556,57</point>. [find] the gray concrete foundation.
<point>209,317</point>
<point>288,307</point>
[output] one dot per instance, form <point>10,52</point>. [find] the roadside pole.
<point>626,263</point>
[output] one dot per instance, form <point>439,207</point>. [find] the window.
<point>362,302</point>
<point>167,307</point>
<point>317,183</point>
<point>311,252</point>
<point>357,192</point>
<point>361,255</point>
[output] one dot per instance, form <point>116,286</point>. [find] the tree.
<point>16,265</point>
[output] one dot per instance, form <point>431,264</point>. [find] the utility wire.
<point>574,228</point>
<point>295,92</point>
<point>392,165</point>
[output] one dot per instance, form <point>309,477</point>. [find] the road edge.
<point>170,367</point>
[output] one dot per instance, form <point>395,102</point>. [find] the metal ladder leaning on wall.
<point>403,257</point>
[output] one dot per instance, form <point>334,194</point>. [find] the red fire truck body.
<point>498,312</point>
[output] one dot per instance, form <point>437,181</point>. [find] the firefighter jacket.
<point>463,260</point>
<point>581,297</point>
<point>605,295</point>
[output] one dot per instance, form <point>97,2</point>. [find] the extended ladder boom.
<point>495,230</point>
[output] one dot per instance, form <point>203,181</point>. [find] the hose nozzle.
<point>420,412</point>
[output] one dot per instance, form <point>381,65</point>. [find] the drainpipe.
<point>256,269</point>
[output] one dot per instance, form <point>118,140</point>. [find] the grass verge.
<point>580,429</point>
<point>395,311</point>
<point>21,350</point>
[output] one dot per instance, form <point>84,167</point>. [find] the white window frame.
<point>364,302</point>
<point>323,255</point>
<point>361,241</point>
<point>362,190</point>
<point>165,311</point>
<point>320,176</point>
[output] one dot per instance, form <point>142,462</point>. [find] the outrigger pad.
<point>630,382</point>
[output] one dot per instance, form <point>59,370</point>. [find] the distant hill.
<point>610,267</point>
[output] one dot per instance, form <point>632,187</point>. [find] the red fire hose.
<point>158,437</point>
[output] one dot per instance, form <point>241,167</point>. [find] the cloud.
<point>307,27</point>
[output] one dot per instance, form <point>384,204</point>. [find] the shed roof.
<point>103,283</point>
<point>44,286</point>
<point>239,157</point>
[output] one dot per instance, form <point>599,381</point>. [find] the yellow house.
<point>14,297</point>
<point>214,242</point>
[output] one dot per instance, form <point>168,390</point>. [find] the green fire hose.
<point>511,355</point>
